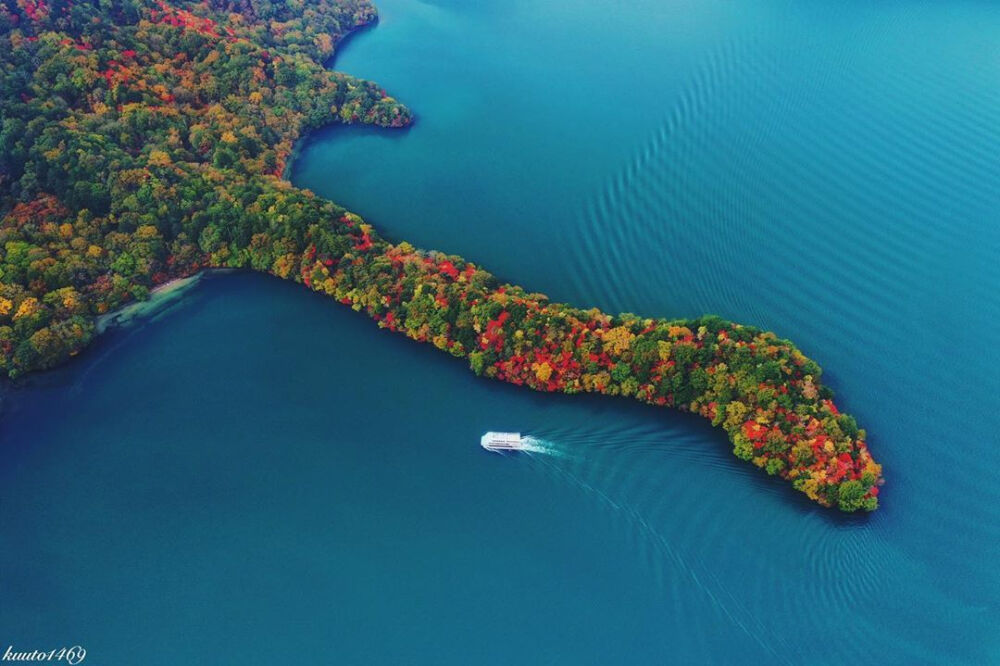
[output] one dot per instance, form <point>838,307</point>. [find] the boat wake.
<point>608,475</point>
<point>536,445</point>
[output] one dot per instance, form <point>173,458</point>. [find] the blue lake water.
<point>261,476</point>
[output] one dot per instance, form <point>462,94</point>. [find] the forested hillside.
<point>143,141</point>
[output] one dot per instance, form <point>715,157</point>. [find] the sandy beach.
<point>160,297</point>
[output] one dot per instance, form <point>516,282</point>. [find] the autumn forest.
<point>144,141</point>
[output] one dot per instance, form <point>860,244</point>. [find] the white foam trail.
<point>542,446</point>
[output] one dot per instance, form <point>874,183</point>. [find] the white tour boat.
<point>503,441</point>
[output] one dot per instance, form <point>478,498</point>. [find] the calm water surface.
<point>261,476</point>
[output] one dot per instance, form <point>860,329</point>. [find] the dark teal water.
<point>261,476</point>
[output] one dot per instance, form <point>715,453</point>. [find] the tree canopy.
<point>142,141</point>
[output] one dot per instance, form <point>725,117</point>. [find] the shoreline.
<point>286,170</point>
<point>160,297</point>
<point>304,136</point>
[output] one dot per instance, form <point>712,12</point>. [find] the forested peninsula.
<point>144,140</point>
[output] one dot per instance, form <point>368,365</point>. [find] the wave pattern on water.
<point>856,213</point>
<point>602,473</point>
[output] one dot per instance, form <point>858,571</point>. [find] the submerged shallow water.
<point>263,471</point>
